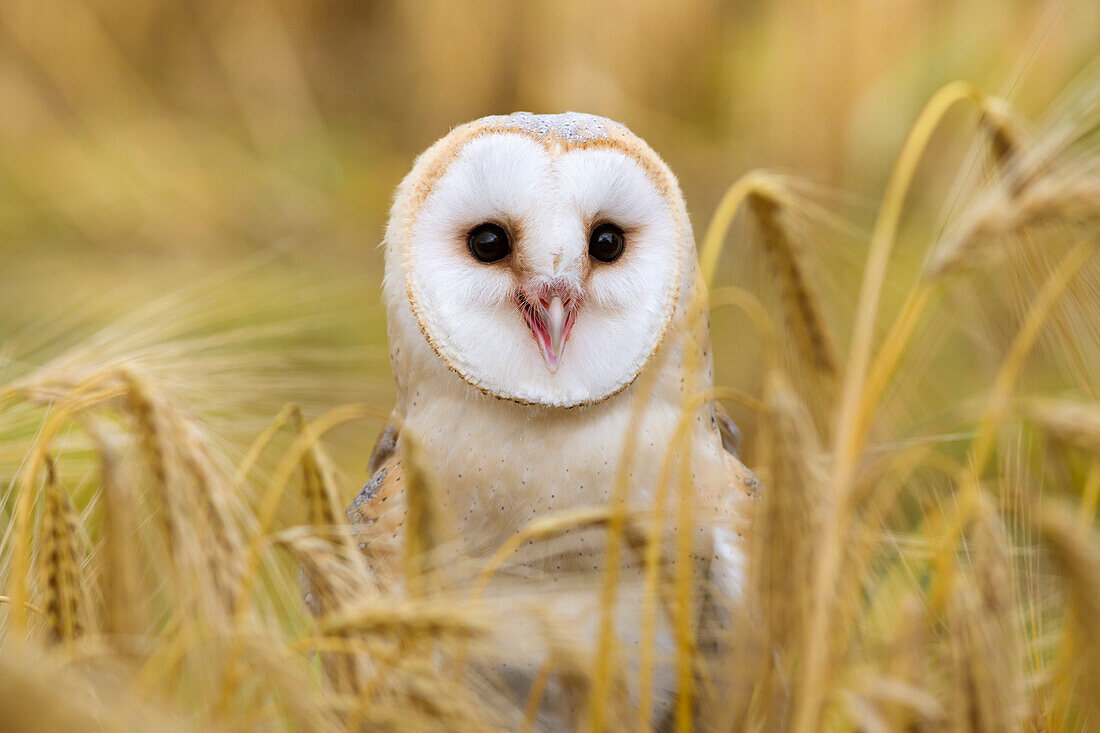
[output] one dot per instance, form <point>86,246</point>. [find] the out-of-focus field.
<point>145,145</point>
<point>191,198</point>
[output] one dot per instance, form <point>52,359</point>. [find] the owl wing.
<point>377,513</point>
<point>741,479</point>
<point>727,559</point>
<point>727,430</point>
<point>386,445</point>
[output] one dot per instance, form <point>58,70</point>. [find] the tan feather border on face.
<point>617,138</point>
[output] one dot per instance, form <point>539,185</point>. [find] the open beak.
<point>550,322</point>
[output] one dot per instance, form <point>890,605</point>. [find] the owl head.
<point>541,256</point>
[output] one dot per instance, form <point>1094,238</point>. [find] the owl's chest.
<point>501,465</point>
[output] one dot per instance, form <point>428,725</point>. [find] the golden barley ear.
<point>792,502</point>
<point>785,536</point>
<point>148,427</point>
<point>802,305</point>
<point>212,520</point>
<point>987,632</point>
<point>1005,138</point>
<point>983,621</point>
<point>1031,191</point>
<point>994,573</point>
<point>193,501</point>
<point>169,506</point>
<point>983,700</point>
<point>1076,423</point>
<point>63,591</point>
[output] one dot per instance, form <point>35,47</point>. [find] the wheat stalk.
<point>409,618</point>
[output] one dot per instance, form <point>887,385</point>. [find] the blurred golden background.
<point>152,145</point>
<point>191,197</point>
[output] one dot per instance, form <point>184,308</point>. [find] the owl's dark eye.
<point>488,243</point>
<point>606,243</point>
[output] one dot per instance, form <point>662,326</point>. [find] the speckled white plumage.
<point>507,439</point>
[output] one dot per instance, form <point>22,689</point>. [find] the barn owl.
<point>540,272</point>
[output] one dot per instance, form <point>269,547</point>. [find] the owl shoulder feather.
<point>378,512</point>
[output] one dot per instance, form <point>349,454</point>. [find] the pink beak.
<point>550,319</point>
